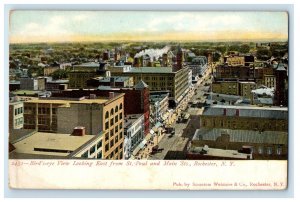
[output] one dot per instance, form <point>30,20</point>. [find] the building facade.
<point>238,88</point>
<point>281,90</point>
<point>80,74</point>
<point>139,95</point>
<point>226,87</point>
<point>133,133</point>
<point>16,109</point>
<point>113,81</point>
<point>245,88</point>
<point>245,118</point>
<point>101,116</point>
<point>260,144</point>
<point>41,145</point>
<point>263,130</point>
<point>234,60</point>
<point>49,70</point>
<point>79,80</point>
<point>161,79</point>
<point>159,104</point>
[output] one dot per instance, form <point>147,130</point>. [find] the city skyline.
<point>93,26</point>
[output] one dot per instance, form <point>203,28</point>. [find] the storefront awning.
<point>158,124</point>
<point>139,147</point>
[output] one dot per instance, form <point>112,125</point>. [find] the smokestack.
<point>79,131</point>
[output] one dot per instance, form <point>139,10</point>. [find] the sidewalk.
<point>145,152</point>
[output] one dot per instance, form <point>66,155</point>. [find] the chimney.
<point>79,131</point>
<point>111,95</point>
<point>62,86</point>
<point>112,82</point>
<point>237,112</point>
<point>92,96</point>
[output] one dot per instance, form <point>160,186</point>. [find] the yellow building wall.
<point>114,134</point>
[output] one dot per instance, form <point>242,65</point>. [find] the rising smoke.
<point>153,53</point>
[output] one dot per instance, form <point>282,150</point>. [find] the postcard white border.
<point>160,7</point>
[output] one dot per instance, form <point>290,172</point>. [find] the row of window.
<point>41,120</point>
<point>243,124</point>
<point>92,150</point>
<point>113,121</point>
<point>18,111</point>
<point>146,78</point>
<point>112,111</point>
<point>111,156</point>
<point>41,110</point>
<point>113,142</point>
<point>19,121</point>
<point>269,150</point>
<point>113,132</point>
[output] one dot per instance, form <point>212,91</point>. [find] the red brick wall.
<point>135,101</point>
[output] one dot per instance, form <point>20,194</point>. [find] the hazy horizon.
<point>146,26</point>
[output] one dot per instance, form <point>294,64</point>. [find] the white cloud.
<point>54,27</point>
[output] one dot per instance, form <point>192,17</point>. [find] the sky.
<point>91,26</point>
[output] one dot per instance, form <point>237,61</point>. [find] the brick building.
<point>162,79</point>
<point>97,115</point>
<point>245,118</point>
<point>136,100</point>
<point>281,90</point>
<point>264,129</point>
<point>41,145</point>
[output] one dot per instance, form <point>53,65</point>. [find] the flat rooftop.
<point>62,101</point>
<point>88,64</point>
<point>250,107</point>
<point>219,153</point>
<point>248,111</point>
<point>158,70</point>
<point>130,119</point>
<point>160,97</point>
<point>59,81</point>
<point>246,136</point>
<point>116,78</point>
<point>247,82</point>
<point>51,143</point>
<point>26,92</point>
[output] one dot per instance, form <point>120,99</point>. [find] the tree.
<point>233,48</point>
<point>263,53</point>
<point>59,74</point>
<point>216,56</point>
<point>245,48</point>
<point>221,49</point>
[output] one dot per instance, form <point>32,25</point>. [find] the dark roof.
<point>115,78</point>
<point>248,111</point>
<point>158,70</point>
<point>280,67</point>
<point>247,136</point>
<point>141,85</point>
<point>16,135</point>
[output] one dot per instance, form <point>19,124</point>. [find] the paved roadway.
<point>175,147</point>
